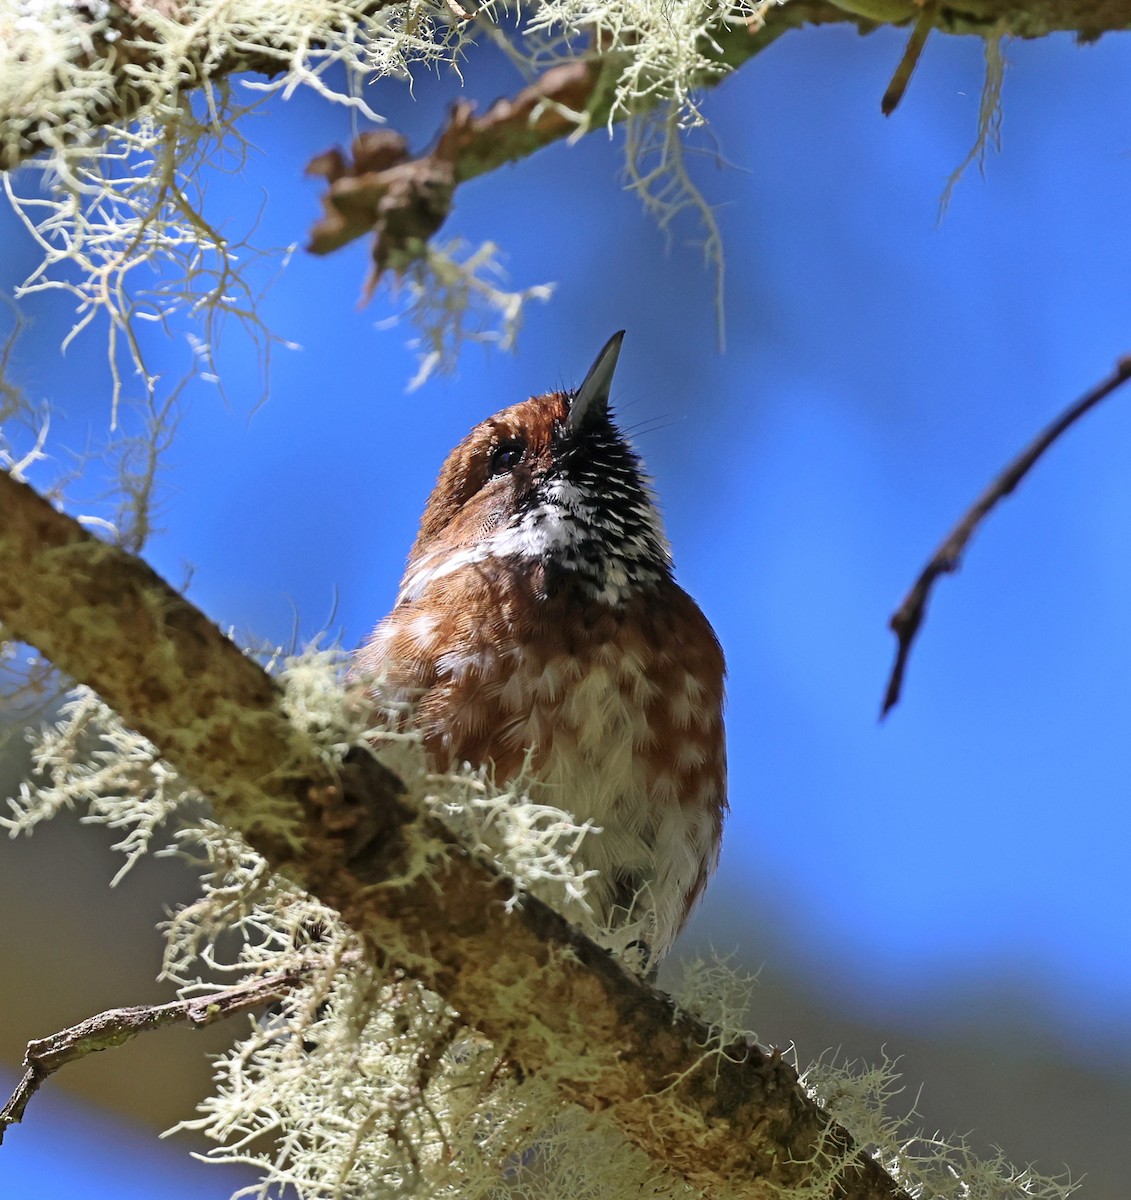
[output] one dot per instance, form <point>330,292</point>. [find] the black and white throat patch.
<point>590,519</point>
<point>593,518</point>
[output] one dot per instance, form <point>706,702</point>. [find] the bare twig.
<point>924,23</point>
<point>906,619</point>
<point>522,976</point>
<point>115,1026</point>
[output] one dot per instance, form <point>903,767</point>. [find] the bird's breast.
<point>617,711</point>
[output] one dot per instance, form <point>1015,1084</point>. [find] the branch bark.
<point>403,200</point>
<point>132,35</point>
<point>106,619</point>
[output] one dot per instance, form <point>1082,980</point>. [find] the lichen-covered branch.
<point>402,200</point>
<point>114,61</point>
<point>524,977</point>
<point>121,103</point>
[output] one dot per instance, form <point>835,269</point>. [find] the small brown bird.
<point>538,615</point>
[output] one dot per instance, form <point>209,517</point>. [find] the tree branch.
<point>907,619</point>
<point>526,978</point>
<point>116,1026</point>
<point>405,200</point>
<point>132,36</point>
<point>156,51</point>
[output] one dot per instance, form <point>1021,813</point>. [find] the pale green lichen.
<point>656,171</point>
<point>363,1082</point>
<point>453,294</point>
<point>119,214</point>
<point>988,136</point>
<point>864,1099</point>
<point>116,211</point>
<point>90,762</point>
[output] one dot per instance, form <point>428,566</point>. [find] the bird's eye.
<point>507,455</point>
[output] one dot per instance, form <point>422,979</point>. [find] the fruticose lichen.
<point>362,1082</point>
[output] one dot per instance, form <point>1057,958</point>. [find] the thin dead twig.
<point>115,1026</point>
<point>907,619</point>
<point>921,30</point>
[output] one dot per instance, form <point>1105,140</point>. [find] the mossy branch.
<point>153,52</point>
<point>536,987</point>
<point>404,200</point>
<point>148,54</point>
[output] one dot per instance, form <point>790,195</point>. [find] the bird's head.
<point>549,485</point>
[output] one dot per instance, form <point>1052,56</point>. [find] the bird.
<point>539,628</point>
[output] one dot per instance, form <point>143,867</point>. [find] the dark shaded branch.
<point>132,36</point>
<point>404,200</point>
<point>524,977</point>
<point>907,619</point>
<point>116,1026</point>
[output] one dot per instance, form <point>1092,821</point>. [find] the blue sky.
<point>64,1151</point>
<point>881,365</point>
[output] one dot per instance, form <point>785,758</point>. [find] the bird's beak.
<point>592,398</point>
